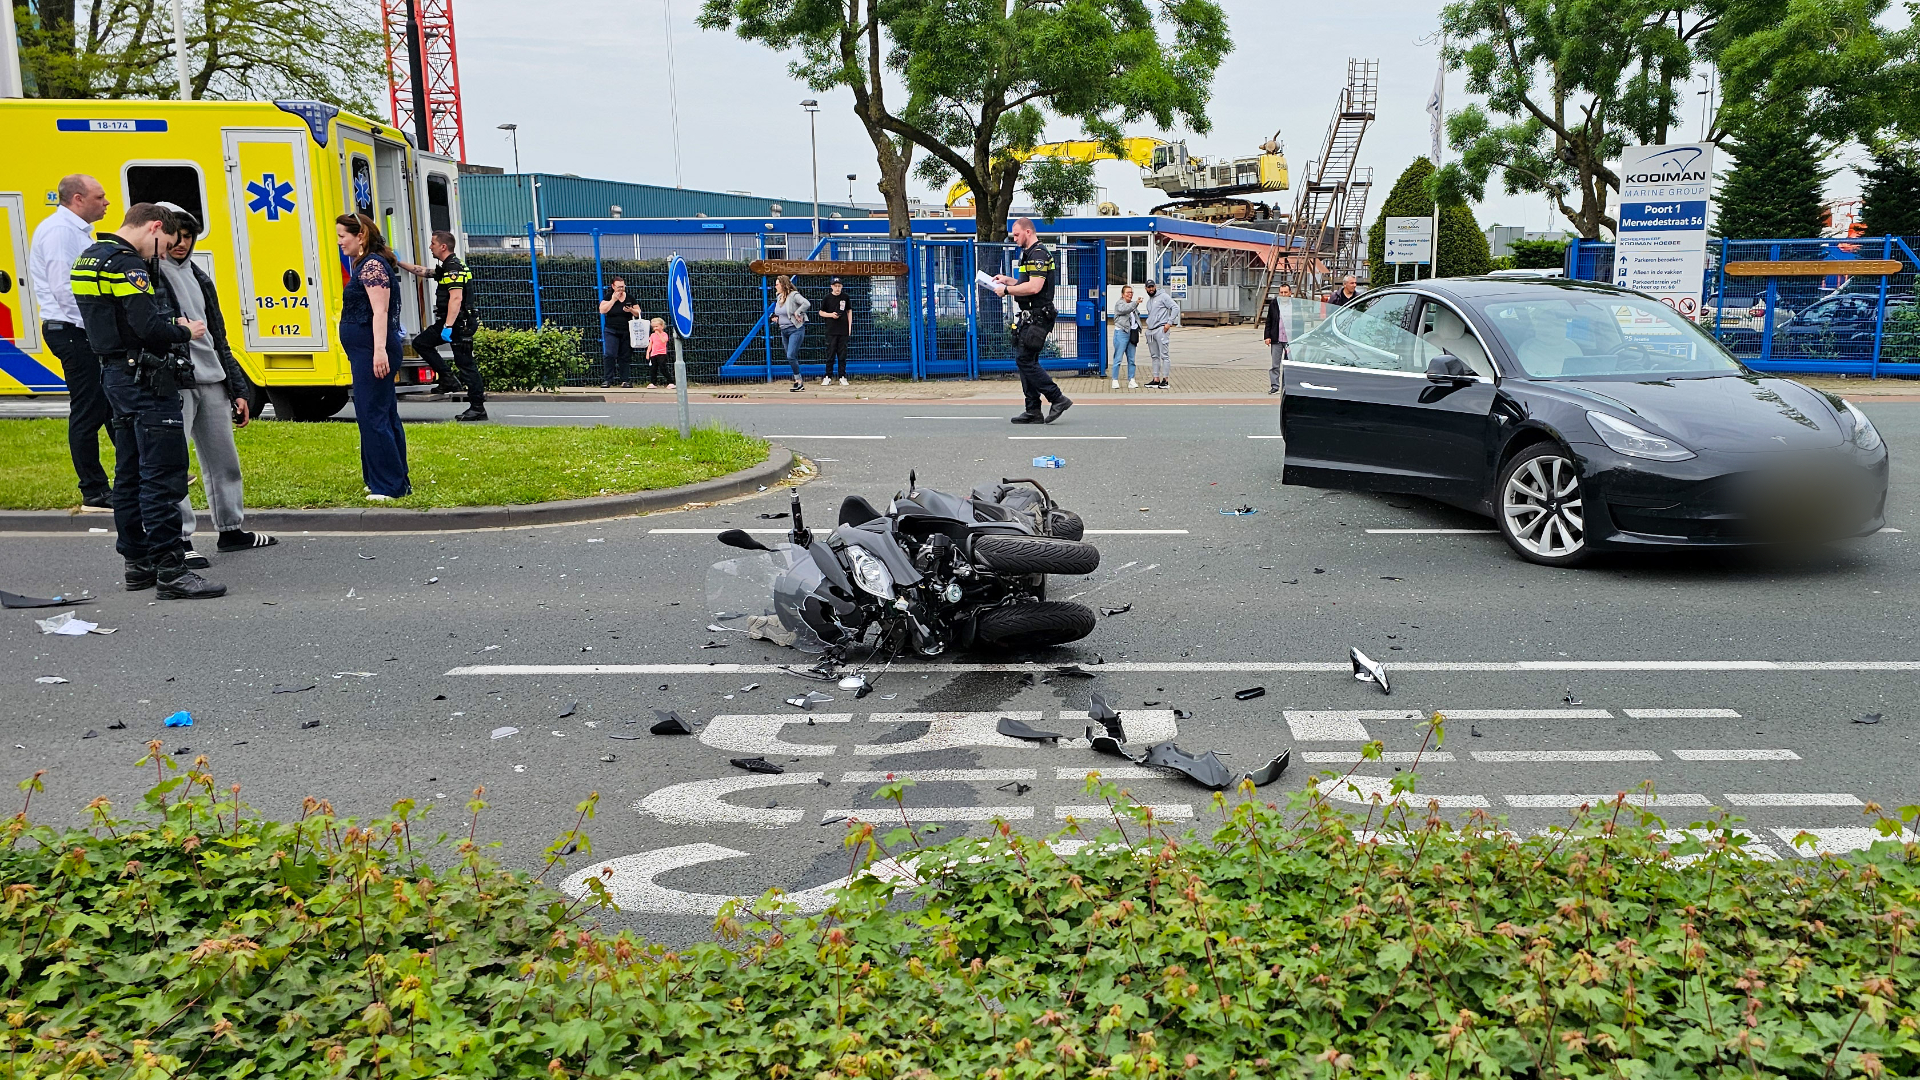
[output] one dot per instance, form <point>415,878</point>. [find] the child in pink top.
<point>657,365</point>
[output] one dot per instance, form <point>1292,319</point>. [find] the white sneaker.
<point>1116,384</point>
<point>843,380</point>
<point>826,380</point>
<point>379,498</point>
<point>1132,385</point>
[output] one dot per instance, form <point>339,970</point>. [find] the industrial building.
<point>497,207</point>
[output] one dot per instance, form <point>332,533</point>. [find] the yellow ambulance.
<point>266,179</point>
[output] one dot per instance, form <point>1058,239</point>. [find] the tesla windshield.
<point>1566,333</point>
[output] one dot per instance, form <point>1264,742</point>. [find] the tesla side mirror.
<point>738,538</point>
<point>1447,368</point>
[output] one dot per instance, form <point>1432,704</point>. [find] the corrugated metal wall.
<point>502,205</point>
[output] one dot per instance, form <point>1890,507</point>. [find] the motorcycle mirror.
<point>738,538</point>
<point>913,481</point>
<point>800,536</point>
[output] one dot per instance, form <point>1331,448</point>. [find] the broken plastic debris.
<point>888,697</point>
<point>180,719</point>
<point>15,600</point>
<point>309,725</point>
<point>855,681</point>
<point>668,722</point>
<point>91,734</point>
<point>1474,730</point>
<point>809,699</point>
<point>1121,610</point>
<point>50,680</point>
<point>708,645</point>
<point>1182,714</point>
<point>1074,671</point>
<point>432,580</point>
<point>568,711</point>
<point>1250,693</point>
<point>606,757</point>
<point>1870,718</point>
<point>750,688</point>
<point>716,628</point>
<point>355,674</point>
<point>1016,729</point>
<point>1268,773</point>
<point>1103,714</point>
<point>1570,699</point>
<point>1205,769</point>
<point>358,555</point>
<point>279,689</point>
<point>1049,461</point>
<point>1015,786</point>
<point>66,624</point>
<point>823,781</point>
<point>756,764</point>
<point>117,725</point>
<point>773,517</point>
<point>503,732</point>
<point>1240,511</point>
<point>1367,669</point>
<point>1107,744</point>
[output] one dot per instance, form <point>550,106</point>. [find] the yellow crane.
<point>1167,166</point>
<point>1138,150</point>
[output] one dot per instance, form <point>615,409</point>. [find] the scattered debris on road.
<point>1250,693</point>
<point>1570,699</point>
<point>1016,729</point>
<point>1103,714</point>
<point>91,734</point>
<point>180,719</point>
<point>1239,511</point>
<point>280,689</point>
<point>505,732</point>
<point>568,711</point>
<point>50,680</point>
<point>756,764</point>
<point>1121,610</point>
<point>668,722</point>
<point>117,725</point>
<point>15,600</point>
<point>309,725</point>
<point>66,624</point>
<point>1366,669</point>
<point>1016,787</point>
<point>1050,461</point>
<point>809,699</point>
<point>1075,671</point>
<point>1870,718</point>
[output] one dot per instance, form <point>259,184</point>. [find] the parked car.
<point>1580,416</point>
<point>1838,327</point>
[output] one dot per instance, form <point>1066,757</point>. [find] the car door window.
<point>1376,336</point>
<point>1443,330</point>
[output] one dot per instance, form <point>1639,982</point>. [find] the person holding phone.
<point>617,312</point>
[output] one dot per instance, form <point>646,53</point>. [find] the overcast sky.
<point>587,83</point>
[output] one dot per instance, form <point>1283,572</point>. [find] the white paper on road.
<point>66,624</point>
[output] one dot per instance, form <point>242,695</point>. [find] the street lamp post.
<point>813,134</point>
<point>513,132</point>
<point>850,179</point>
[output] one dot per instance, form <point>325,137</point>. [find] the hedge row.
<point>1283,940</point>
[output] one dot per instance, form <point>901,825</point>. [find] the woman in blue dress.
<point>370,332</point>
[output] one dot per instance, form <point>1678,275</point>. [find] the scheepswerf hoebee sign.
<point>1661,245</point>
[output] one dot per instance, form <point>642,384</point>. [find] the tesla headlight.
<point>1865,435</point>
<point>869,572</point>
<point>1635,442</point>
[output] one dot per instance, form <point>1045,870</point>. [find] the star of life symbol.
<point>272,197</point>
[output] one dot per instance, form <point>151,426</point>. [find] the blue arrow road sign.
<point>680,296</point>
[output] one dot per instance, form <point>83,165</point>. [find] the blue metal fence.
<point>1828,322</point>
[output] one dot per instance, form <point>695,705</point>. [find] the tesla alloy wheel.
<point>1541,511</point>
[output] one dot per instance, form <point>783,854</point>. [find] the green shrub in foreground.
<point>527,359</point>
<point>1292,941</point>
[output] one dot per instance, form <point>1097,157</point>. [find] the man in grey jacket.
<point>215,402</point>
<point>1161,315</point>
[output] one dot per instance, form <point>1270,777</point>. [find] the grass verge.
<point>314,465</point>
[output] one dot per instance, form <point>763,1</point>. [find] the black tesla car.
<point>1580,416</point>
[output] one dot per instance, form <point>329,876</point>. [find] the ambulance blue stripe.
<point>27,371</point>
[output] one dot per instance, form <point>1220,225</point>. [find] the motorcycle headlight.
<point>1865,435</point>
<point>869,572</point>
<point>1635,442</point>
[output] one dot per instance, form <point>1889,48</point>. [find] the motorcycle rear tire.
<point>1066,525</point>
<point>1012,553</point>
<point>1034,626</point>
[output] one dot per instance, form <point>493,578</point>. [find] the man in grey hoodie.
<point>215,402</point>
<point>1161,316</point>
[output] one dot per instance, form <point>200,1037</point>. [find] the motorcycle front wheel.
<point>1034,626</point>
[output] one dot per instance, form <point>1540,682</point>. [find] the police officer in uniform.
<point>454,323</point>
<point>139,337</point>
<point>1032,291</point>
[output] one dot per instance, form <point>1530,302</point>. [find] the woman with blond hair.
<point>790,314</point>
<point>370,332</point>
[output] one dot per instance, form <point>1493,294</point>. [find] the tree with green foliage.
<point>1774,188</point>
<point>841,43</point>
<point>984,77</point>
<point>1890,193</point>
<point>250,50</point>
<point>1820,64</point>
<point>1462,247</point>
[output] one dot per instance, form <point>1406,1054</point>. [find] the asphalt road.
<point>1727,680</point>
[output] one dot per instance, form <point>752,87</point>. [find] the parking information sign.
<point>1409,240</point>
<point>1661,246</point>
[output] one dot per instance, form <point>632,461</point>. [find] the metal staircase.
<point>1324,238</point>
<point>1350,247</point>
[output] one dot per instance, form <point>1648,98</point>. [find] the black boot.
<point>139,575</point>
<point>179,583</point>
<point>474,412</point>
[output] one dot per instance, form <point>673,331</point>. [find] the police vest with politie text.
<point>1037,261</point>
<point>453,274</point>
<point>128,319</point>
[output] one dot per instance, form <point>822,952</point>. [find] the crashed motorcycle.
<point>936,572</point>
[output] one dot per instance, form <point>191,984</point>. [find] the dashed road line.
<point>1495,757</point>
<point>935,776</point>
<point>928,814</point>
<point>1634,798</point>
<point>1240,668</point>
<point>1840,841</point>
<point>1736,755</point>
<point>1525,714</point>
<point>1387,757</point>
<point>1682,714</point>
<point>1170,811</point>
<point>1066,438</point>
<point>1792,798</point>
<point>1116,772</point>
<point>1433,532</point>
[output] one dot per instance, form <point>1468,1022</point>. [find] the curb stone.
<point>780,462</point>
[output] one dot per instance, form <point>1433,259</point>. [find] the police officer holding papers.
<point>1033,292</point>
<point>138,337</point>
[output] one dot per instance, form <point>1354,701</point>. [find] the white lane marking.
<point>699,802</point>
<point>1682,714</point>
<point>1840,841</point>
<point>919,814</point>
<point>1892,530</point>
<point>1753,847</point>
<point>1634,798</point>
<point>1170,811</point>
<point>1266,436</point>
<point>1507,756</point>
<point>950,418</point>
<point>558,416</point>
<point>1144,726</point>
<point>935,776</point>
<point>1065,438</point>
<point>1433,532</point>
<point>948,730</point>
<point>1792,798</point>
<point>1116,772</point>
<point>1736,755</point>
<point>862,437</point>
<point>1361,790</point>
<point>1389,757</point>
<point>715,532</point>
<point>1251,668</point>
<point>630,879</point>
<point>760,734</point>
<point>1525,714</point>
<point>1326,730</point>
<point>1135,532</point>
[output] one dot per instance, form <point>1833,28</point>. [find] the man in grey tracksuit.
<point>1161,314</point>
<point>216,400</point>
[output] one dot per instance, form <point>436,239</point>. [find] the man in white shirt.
<point>57,242</point>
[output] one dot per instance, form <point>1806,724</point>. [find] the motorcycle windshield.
<point>767,583</point>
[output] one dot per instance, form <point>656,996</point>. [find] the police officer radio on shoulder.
<point>140,339</point>
<point>454,321</point>
<point>1033,292</point>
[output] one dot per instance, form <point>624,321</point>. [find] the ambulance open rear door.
<point>274,241</point>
